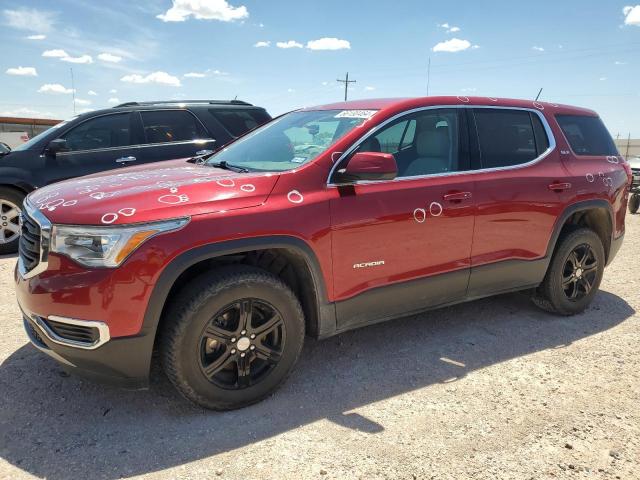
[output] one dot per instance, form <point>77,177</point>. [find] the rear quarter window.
<point>587,135</point>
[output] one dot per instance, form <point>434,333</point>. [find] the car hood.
<point>634,162</point>
<point>151,192</point>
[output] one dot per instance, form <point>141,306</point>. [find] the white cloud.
<point>36,37</point>
<point>109,57</point>
<point>631,15</point>
<point>453,45</point>
<point>537,49</point>
<point>618,62</point>
<point>328,43</point>
<point>289,44</point>
<point>55,53</point>
<point>162,78</point>
<point>218,72</point>
<point>113,100</point>
<point>369,89</point>
<point>24,71</point>
<point>203,10</point>
<point>92,93</point>
<point>449,28</point>
<point>262,44</point>
<point>82,102</point>
<point>602,79</point>
<point>475,47</point>
<point>290,90</point>
<point>29,19</point>
<point>194,75</point>
<point>113,90</point>
<point>80,59</point>
<point>54,88</point>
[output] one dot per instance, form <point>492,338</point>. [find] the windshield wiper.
<point>229,166</point>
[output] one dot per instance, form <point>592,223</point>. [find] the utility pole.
<point>628,144</point>
<point>346,82</point>
<point>73,91</point>
<point>428,75</point>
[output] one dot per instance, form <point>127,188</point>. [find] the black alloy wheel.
<point>242,343</point>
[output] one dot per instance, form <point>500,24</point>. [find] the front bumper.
<point>121,361</point>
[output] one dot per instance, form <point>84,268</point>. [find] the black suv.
<point>129,134</point>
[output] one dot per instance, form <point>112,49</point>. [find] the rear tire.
<point>214,347</point>
<point>10,209</point>
<point>634,203</point>
<point>574,274</point>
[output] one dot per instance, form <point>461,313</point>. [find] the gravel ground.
<point>489,389</point>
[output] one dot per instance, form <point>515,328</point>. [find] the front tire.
<point>10,208</point>
<point>574,274</point>
<point>232,337</point>
<point>634,203</point>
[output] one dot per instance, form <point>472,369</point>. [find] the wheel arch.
<point>594,214</point>
<point>319,312</point>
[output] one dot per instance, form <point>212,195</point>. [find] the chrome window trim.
<point>142,145</point>
<point>103,331</point>
<point>45,242</point>
<point>373,130</point>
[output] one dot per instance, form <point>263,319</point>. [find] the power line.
<point>346,82</point>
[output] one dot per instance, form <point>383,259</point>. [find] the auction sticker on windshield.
<point>366,114</point>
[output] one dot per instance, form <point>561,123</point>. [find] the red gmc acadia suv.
<point>323,220</point>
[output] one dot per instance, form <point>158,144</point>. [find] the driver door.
<point>100,143</point>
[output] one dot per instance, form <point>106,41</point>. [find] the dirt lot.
<point>490,389</point>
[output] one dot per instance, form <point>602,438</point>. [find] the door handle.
<point>456,197</point>
<point>558,187</point>
<point>126,159</point>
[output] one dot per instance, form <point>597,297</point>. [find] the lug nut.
<point>253,335</point>
<point>233,339</point>
<point>252,347</point>
<point>242,354</point>
<point>243,332</point>
<point>233,350</point>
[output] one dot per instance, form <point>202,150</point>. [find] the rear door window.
<point>238,122</point>
<point>507,137</point>
<point>587,135</point>
<point>165,126</point>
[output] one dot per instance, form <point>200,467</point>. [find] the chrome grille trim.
<point>44,240</point>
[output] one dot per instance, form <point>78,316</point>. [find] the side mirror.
<point>368,166</point>
<point>57,145</point>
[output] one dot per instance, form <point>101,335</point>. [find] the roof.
<point>400,104</point>
<point>29,121</point>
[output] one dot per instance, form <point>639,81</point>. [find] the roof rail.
<point>175,102</point>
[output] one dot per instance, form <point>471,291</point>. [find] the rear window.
<point>587,135</point>
<point>238,122</point>
<point>509,137</point>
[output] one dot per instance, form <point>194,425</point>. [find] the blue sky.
<point>584,53</point>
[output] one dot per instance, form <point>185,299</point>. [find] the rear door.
<point>521,190</point>
<point>402,245</point>
<point>171,134</point>
<point>97,144</point>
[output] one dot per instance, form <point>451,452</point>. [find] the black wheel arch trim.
<point>326,310</point>
<point>579,207</point>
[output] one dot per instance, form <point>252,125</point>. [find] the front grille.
<point>29,246</point>
<point>75,333</point>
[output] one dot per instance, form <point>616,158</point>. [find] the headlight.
<point>106,246</point>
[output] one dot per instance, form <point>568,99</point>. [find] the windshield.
<point>30,143</point>
<point>291,140</point>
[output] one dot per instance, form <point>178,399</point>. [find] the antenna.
<point>73,91</point>
<point>539,93</point>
